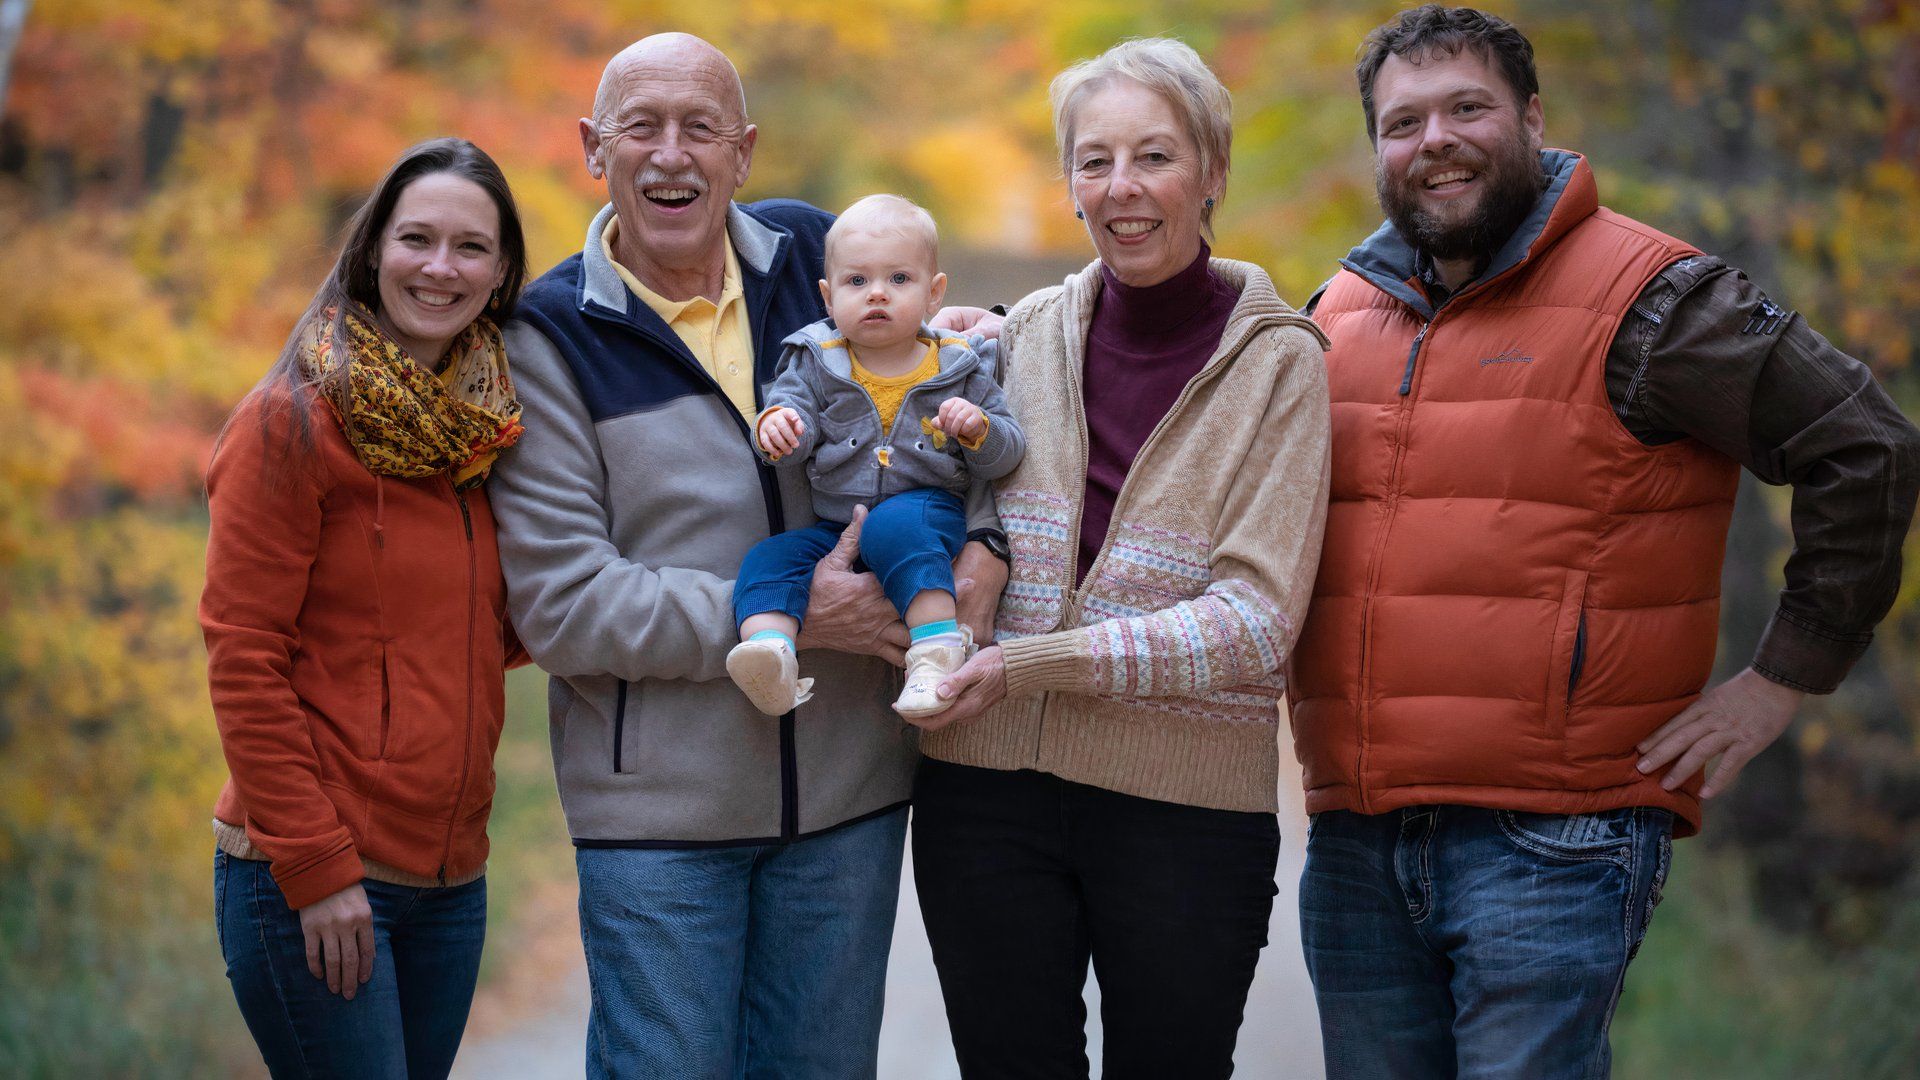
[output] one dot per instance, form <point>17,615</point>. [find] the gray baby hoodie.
<point>850,460</point>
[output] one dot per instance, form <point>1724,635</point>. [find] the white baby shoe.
<point>769,674</point>
<point>928,663</point>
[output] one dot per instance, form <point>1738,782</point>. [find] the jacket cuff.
<point>974,445</point>
<point>1046,662</point>
<point>1797,653</point>
<point>320,879</point>
<point>993,444</point>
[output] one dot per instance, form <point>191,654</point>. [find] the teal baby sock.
<point>774,635</point>
<point>944,632</point>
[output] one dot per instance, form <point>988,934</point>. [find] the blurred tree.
<point>174,175</point>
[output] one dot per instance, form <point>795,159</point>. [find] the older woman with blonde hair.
<point>1104,784</point>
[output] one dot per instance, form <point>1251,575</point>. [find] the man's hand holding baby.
<point>780,432</point>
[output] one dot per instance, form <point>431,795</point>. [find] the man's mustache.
<point>1463,158</point>
<point>660,178</point>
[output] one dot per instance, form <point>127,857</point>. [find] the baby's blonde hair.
<point>891,215</point>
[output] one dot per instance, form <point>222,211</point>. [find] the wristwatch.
<point>995,541</point>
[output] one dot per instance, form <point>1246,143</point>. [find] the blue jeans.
<point>754,961</point>
<point>404,1023</point>
<point>909,541</point>
<point>1456,941</point>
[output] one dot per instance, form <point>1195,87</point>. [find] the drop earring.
<point>1079,213</point>
<point>1209,202</point>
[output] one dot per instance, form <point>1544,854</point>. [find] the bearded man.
<point>1540,411</point>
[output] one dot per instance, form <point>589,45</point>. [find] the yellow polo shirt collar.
<point>716,334</point>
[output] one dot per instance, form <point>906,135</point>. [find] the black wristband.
<point>994,541</point>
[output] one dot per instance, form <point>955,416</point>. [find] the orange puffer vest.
<point>1514,589</point>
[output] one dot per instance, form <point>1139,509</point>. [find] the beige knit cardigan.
<point>1162,674</point>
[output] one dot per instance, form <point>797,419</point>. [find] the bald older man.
<point>738,875</point>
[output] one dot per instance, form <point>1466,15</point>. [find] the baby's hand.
<point>780,432</point>
<point>961,419</point>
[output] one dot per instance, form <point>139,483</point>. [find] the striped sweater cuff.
<point>1047,662</point>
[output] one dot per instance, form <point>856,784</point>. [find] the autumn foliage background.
<point>173,178</point>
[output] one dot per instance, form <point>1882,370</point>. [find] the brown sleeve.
<point>1705,354</point>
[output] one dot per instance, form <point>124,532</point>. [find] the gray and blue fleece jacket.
<point>850,460</point>
<point>623,515</point>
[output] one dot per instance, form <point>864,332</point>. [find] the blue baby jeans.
<point>403,1024</point>
<point>1455,941</point>
<point>909,541</point>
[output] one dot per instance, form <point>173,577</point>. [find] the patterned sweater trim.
<point>1161,674</point>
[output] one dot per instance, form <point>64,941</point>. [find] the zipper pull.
<point>1406,381</point>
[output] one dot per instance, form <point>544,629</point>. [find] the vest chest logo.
<point>1511,355</point>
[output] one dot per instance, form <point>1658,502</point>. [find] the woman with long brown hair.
<point>356,636</point>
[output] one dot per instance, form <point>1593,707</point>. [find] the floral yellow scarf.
<point>404,420</point>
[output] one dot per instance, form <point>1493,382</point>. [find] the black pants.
<point>1023,876</point>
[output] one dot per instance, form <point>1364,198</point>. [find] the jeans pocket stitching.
<point>1426,868</point>
<point>1415,881</point>
<point>1628,912</point>
<point>1527,839</point>
<point>1662,864</point>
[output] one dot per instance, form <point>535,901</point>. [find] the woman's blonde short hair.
<point>1170,68</point>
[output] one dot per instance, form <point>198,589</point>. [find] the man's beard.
<point>1513,180</point>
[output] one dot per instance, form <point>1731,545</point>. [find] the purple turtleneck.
<point>1143,345</point>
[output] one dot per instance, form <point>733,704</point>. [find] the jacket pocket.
<point>1608,835</point>
<point>845,429</point>
<point>383,675</point>
<point>1579,656</point>
<point>1568,653</point>
<point>939,465</point>
<point>620,727</point>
